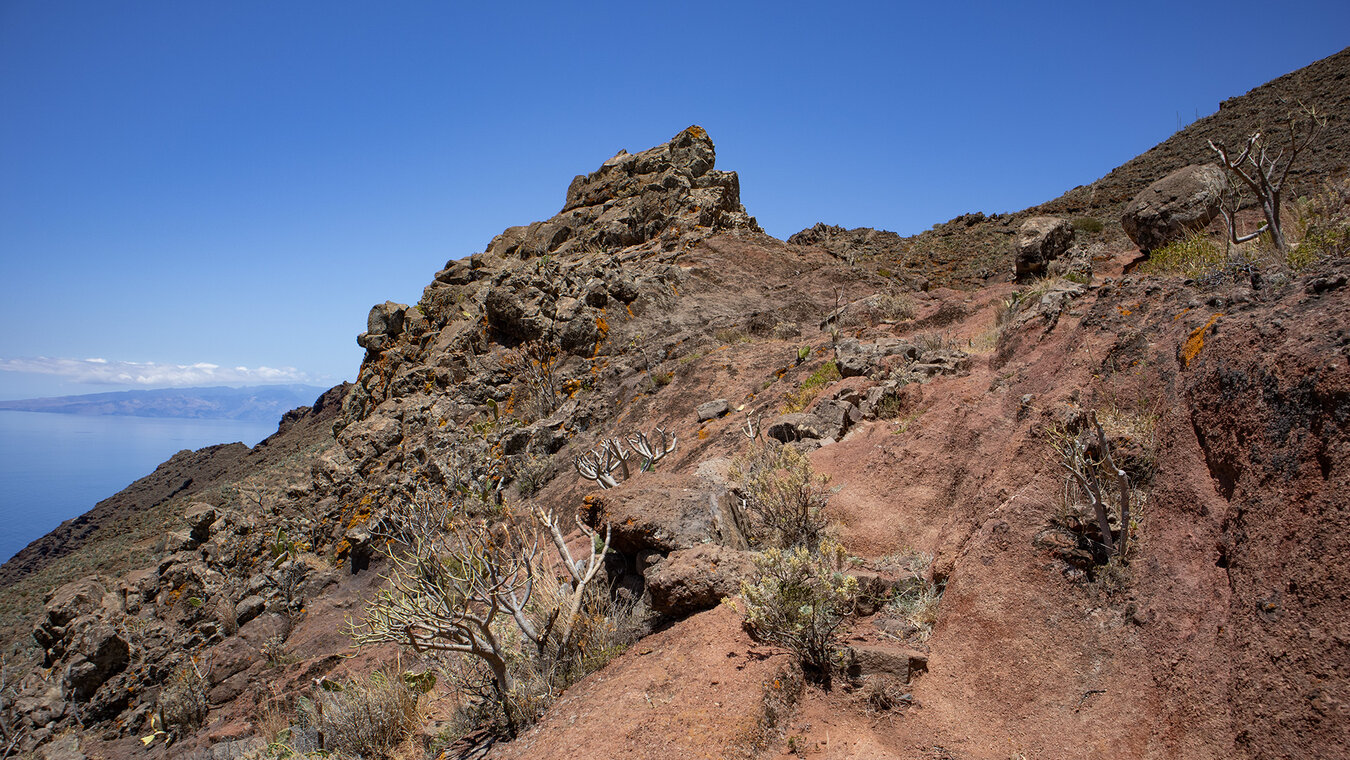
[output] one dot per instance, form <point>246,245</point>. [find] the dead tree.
<point>451,593</point>
<point>1083,470</point>
<point>1263,167</point>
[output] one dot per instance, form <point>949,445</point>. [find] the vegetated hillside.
<point>260,402</point>
<point>991,621</point>
<point>971,249</point>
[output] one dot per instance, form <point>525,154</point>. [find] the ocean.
<point>57,466</point>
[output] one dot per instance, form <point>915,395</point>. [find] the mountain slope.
<point>652,300</point>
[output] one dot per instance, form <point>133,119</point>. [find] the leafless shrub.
<point>608,464</point>
<point>1261,167</point>
<point>535,362</point>
<point>1086,474</point>
<point>455,593</point>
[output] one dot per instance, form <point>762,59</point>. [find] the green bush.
<point>1087,224</point>
<point>811,386</point>
<point>798,601</point>
<point>1195,256</point>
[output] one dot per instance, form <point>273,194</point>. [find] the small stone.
<point>248,608</point>
<point>712,409</point>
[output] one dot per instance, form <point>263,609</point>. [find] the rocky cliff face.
<point>652,300</point>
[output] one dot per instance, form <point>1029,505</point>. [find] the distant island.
<point>258,402</point>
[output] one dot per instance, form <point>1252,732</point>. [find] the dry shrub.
<point>366,718</point>
<point>884,693</point>
<point>1322,223</point>
<point>878,309</point>
<point>934,341</point>
<point>182,703</point>
<point>917,598</point>
<point>783,494</point>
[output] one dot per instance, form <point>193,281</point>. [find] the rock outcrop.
<point>1040,240</point>
<point>664,191</point>
<point>1175,206</point>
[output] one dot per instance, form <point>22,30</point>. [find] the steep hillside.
<point>991,618</point>
<point>973,248</point>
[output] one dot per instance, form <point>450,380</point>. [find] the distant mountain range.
<point>259,402</point>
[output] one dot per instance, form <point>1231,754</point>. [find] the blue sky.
<point>205,193</point>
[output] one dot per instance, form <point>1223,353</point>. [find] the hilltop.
<point>203,613</point>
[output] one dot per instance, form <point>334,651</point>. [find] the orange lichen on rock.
<point>1191,348</point>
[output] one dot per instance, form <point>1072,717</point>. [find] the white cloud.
<point>151,374</point>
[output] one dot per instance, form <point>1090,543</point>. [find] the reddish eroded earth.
<point>1225,637</point>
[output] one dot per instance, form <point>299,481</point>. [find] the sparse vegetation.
<point>811,387</point>
<point>798,600</point>
<point>1088,224</point>
<point>783,494</point>
<point>1193,257</point>
<point>915,602</point>
<point>360,717</point>
<point>1322,224</point>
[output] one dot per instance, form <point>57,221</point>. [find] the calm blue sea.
<point>56,466</point>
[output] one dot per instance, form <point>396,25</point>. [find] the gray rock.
<point>248,608</point>
<point>179,540</point>
<point>709,410</point>
<point>795,427</point>
<point>895,661</point>
<point>386,319</point>
<point>103,653</point>
<point>836,417</point>
<point>1175,206</point>
<point>1039,241</point>
<point>456,273</point>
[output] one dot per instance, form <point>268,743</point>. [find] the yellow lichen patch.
<point>362,515</point>
<point>1182,314</point>
<point>602,325</point>
<point>703,434</point>
<point>1191,348</point>
<point>696,131</point>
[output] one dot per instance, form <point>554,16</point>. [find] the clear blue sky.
<point>233,184</point>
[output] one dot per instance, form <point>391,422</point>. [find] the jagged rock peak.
<point>669,191</point>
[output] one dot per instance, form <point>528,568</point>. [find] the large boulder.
<point>1040,240</point>
<point>384,323</point>
<point>690,580</point>
<point>1175,206</point>
<point>657,511</point>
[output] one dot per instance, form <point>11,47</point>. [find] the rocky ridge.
<point>653,300</point>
